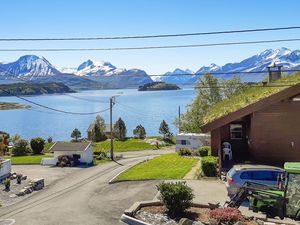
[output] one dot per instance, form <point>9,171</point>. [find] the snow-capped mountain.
<point>94,68</point>
<point>91,74</point>
<point>285,57</point>
<point>178,76</point>
<point>94,74</point>
<point>29,65</point>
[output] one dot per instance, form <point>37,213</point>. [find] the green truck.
<point>283,201</point>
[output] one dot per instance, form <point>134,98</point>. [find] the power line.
<point>150,47</point>
<point>152,36</point>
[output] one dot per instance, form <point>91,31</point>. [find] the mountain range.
<point>100,74</point>
<point>285,57</point>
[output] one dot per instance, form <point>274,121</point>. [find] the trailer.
<point>192,140</point>
<point>5,169</point>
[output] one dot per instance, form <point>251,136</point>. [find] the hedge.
<point>209,166</point>
<point>204,151</point>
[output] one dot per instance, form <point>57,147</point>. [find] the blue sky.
<point>58,18</point>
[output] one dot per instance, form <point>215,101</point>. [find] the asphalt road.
<point>83,197</point>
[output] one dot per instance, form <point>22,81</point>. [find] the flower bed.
<point>159,215</point>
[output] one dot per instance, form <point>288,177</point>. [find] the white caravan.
<point>192,140</point>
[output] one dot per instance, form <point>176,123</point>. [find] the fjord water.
<point>147,108</point>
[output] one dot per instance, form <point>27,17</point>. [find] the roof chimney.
<point>274,72</point>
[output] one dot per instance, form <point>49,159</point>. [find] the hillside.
<point>33,89</point>
<point>158,86</point>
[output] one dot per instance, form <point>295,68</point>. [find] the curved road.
<point>83,197</point>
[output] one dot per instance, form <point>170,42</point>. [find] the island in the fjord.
<point>158,86</point>
<point>33,89</point>
<point>12,105</point>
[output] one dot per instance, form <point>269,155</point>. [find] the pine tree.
<point>164,129</point>
<point>76,134</point>
<point>98,132</point>
<point>139,132</point>
<point>120,130</point>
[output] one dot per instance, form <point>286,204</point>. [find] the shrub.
<point>177,197</point>
<point>204,151</point>
<point>37,145</point>
<point>100,155</point>
<point>185,151</point>
<point>209,166</point>
<point>226,214</point>
<point>6,182</point>
<point>20,147</point>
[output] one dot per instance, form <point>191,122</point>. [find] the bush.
<point>209,166</point>
<point>100,155</point>
<point>185,151</point>
<point>37,145</point>
<point>224,215</point>
<point>20,147</point>
<point>177,197</point>
<point>204,151</point>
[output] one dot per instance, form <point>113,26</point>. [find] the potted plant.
<point>7,184</point>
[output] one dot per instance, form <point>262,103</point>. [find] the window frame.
<point>241,132</point>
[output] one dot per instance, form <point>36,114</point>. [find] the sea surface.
<point>147,108</point>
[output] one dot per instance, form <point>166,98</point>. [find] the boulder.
<point>185,221</point>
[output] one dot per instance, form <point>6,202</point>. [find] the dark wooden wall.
<point>273,131</point>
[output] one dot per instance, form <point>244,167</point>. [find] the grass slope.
<point>29,159</point>
<point>170,166</point>
<point>247,97</point>
<point>130,144</point>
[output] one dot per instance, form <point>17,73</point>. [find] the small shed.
<point>191,140</point>
<point>82,150</point>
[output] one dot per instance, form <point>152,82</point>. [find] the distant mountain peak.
<point>30,65</point>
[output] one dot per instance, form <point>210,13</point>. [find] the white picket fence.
<point>5,168</point>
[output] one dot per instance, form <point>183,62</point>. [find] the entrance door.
<point>238,140</point>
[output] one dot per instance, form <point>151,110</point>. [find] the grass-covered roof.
<point>249,96</point>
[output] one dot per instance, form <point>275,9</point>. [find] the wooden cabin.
<point>266,131</point>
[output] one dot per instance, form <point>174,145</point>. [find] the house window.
<point>183,142</point>
<point>236,131</point>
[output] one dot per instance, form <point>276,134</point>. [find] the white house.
<point>82,150</point>
<point>191,140</point>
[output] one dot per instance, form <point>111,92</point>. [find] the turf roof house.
<point>262,124</point>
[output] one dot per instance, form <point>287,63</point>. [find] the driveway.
<point>82,197</point>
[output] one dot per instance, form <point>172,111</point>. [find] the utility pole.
<point>112,102</point>
<point>179,119</point>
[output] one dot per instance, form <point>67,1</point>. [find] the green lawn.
<point>130,144</point>
<point>28,159</point>
<point>170,166</point>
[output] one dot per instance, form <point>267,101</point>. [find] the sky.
<point>90,18</point>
